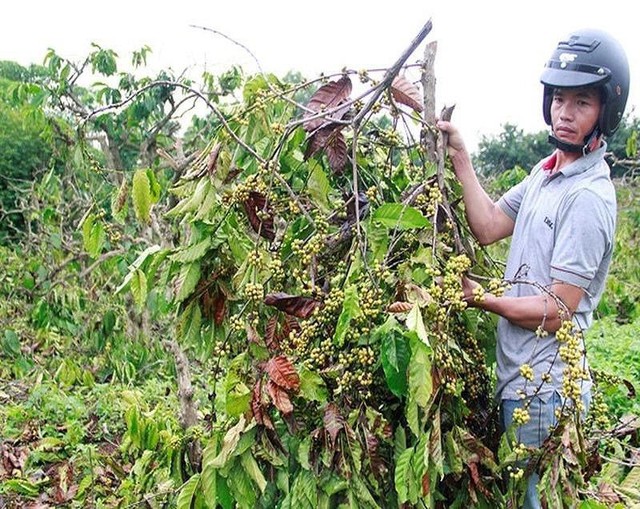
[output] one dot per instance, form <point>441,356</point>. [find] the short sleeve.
<point>510,201</point>
<point>584,236</point>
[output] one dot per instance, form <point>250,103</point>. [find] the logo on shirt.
<point>548,222</point>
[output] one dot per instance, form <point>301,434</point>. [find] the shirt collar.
<point>580,165</point>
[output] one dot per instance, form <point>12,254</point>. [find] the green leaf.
<point>137,264</point>
<point>141,194</point>
<point>350,309</point>
<point>241,487</point>
<point>632,480</point>
<point>404,475</point>
<point>434,450</point>
<point>155,189</point>
<point>362,493</point>
<point>395,355</point>
<point>304,493</point>
<point>139,288</point>
<point>454,458</point>
<point>187,280</point>
<point>21,486</point>
<point>420,381</point>
<point>312,386</point>
<point>11,344</point>
<point>318,186</point>
<point>209,473</point>
<point>415,323</point>
<point>93,235</point>
<point>190,323</point>
<point>187,493</point>
<point>397,215</point>
<point>193,252</point>
<point>251,467</point>
<point>238,396</point>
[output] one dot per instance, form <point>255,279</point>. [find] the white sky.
<point>490,53</point>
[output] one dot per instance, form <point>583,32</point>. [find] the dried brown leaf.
<point>337,151</point>
<point>333,422</point>
<point>282,372</point>
<point>400,307</point>
<point>372,448</point>
<point>300,307</point>
<point>330,140</point>
<point>212,160</point>
<point>405,92</point>
<point>219,307</point>
<point>327,97</point>
<point>290,325</point>
<point>256,205</point>
<point>253,336</point>
<point>280,398</point>
<point>607,494</point>
<point>271,338</point>
<point>258,407</point>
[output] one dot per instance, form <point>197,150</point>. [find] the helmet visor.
<point>573,74</point>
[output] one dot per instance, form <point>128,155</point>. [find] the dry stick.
<point>436,146</point>
<point>188,410</point>
<point>384,84</point>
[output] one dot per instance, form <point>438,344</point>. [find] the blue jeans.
<point>534,432</point>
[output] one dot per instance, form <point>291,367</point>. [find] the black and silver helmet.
<point>590,58</point>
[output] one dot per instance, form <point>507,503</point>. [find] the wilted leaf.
<point>280,398</point>
<point>253,336</point>
<point>331,140</point>
<point>258,407</point>
<point>271,340</point>
<point>333,422</point>
<point>120,198</point>
<point>283,373</point>
<point>300,307</point>
<point>336,150</point>
<point>405,92</point>
<point>256,206</point>
<point>400,307</point>
<point>219,306</point>
<point>372,444</point>
<point>326,98</point>
<point>607,494</point>
<point>290,325</point>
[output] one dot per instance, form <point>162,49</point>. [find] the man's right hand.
<point>455,143</point>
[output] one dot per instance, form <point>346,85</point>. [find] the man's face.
<point>574,113</point>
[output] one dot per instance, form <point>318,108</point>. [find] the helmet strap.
<point>588,145</point>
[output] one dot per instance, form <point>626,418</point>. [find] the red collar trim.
<point>550,163</point>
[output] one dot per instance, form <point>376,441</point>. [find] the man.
<point>562,222</point>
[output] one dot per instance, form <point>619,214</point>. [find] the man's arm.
<point>486,219</point>
<point>548,311</point>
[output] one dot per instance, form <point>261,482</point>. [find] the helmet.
<point>590,58</point>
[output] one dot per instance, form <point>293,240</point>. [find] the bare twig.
<point>188,407</point>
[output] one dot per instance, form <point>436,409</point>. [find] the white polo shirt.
<point>564,230</point>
